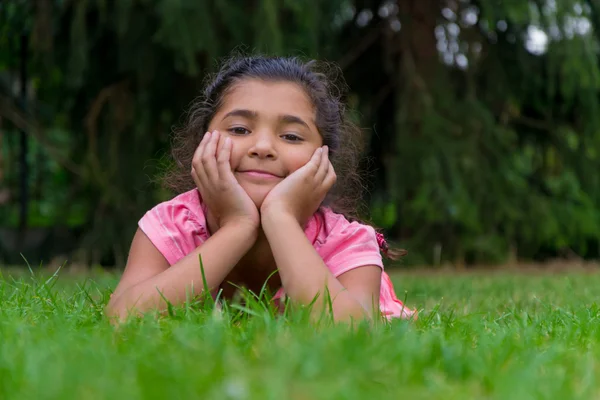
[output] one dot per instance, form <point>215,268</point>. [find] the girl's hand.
<point>301,193</point>
<point>221,192</point>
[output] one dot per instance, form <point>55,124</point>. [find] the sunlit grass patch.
<point>484,336</point>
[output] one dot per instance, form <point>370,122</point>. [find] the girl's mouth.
<point>255,173</point>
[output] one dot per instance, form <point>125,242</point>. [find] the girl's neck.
<point>261,240</point>
<point>254,268</point>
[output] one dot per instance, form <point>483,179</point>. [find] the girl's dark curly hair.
<point>324,85</point>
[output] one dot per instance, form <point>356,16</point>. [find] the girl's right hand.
<point>221,192</point>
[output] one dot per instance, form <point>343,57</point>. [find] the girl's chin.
<point>258,196</point>
<point>257,192</point>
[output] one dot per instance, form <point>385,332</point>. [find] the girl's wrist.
<point>248,226</point>
<point>275,218</point>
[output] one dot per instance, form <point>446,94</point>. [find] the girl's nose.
<point>263,147</point>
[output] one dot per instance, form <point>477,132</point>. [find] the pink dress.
<point>178,226</point>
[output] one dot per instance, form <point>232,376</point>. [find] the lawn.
<point>495,336</point>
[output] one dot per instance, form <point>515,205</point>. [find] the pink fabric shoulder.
<point>345,245</point>
<point>176,227</point>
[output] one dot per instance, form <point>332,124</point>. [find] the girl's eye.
<point>238,130</point>
<point>291,137</point>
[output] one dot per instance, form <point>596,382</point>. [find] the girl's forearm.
<point>220,253</point>
<point>303,273</point>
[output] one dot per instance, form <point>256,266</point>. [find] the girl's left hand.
<point>301,193</point>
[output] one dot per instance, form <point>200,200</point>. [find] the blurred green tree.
<point>482,115</point>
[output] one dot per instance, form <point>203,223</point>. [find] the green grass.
<point>494,336</point>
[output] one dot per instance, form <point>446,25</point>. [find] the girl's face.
<point>273,131</point>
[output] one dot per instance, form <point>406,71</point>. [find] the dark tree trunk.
<point>24,142</point>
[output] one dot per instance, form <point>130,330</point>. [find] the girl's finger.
<point>223,157</point>
<point>197,168</point>
<point>196,177</point>
<point>331,177</point>
<point>323,165</point>
<point>208,157</point>
<point>200,149</point>
<point>313,164</point>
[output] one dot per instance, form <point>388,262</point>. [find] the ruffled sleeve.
<point>345,245</point>
<point>176,227</point>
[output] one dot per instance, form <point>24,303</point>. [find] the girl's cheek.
<point>236,155</point>
<point>299,160</point>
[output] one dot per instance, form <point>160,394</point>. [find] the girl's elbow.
<point>113,310</point>
<point>353,315</point>
<point>118,307</point>
<point>354,310</point>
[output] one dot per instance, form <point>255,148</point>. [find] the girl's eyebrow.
<point>241,113</point>
<point>292,119</point>
<point>286,118</point>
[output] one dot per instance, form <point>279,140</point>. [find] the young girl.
<point>256,167</point>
